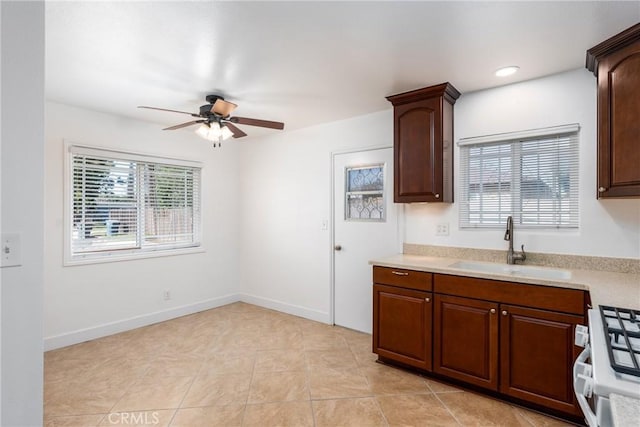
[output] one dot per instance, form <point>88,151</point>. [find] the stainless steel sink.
<point>513,270</point>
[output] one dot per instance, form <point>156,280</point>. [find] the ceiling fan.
<point>216,122</point>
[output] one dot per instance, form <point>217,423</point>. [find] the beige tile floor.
<point>242,365</point>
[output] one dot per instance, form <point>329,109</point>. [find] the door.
<point>465,344</point>
<point>402,325</point>
<point>365,227</point>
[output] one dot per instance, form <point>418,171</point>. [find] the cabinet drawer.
<point>534,296</point>
<point>409,279</point>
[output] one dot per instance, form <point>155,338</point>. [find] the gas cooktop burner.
<point>622,325</point>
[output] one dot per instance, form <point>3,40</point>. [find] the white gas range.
<point>609,364</point>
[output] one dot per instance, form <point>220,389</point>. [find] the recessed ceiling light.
<point>507,71</point>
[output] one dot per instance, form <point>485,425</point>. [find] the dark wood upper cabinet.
<point>616,64</point>
<point>423,144</point>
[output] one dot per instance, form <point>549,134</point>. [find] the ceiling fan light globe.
<point>225,133</point>
<point>203,131</point>
<point>214,131</point>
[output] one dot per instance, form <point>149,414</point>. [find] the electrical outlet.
<point>166,295</point>
<point>442,229</point>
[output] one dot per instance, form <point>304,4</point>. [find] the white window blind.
<point>531,175</point>
<point>123,204</point>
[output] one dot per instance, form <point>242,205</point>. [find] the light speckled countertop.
<point>605,288</point>
<point>625,411</point>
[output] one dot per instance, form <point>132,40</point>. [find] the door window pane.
<point>364,196</point>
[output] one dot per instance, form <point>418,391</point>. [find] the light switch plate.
<point>10,250</point>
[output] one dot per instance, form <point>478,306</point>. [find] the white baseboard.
<point>82,335</point>
<point>296,310</point>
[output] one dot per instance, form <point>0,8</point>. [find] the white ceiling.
<point>306,63</point>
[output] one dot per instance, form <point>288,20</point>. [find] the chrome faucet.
<point>512,256</point>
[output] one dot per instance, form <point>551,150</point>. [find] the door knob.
<point>337,247</point>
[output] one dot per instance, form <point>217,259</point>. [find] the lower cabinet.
<point>402,325</point>
<point>511,338</point>
<point>466,340</point>
<point>537,352</point>
<point>533,349</point>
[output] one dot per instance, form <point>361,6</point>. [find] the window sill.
<point>131,256</point>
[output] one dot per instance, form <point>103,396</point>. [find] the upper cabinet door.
<point>616,63</point>
<point>416,150</point>
<point>423,144</point>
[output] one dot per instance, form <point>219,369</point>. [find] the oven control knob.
<point>583,369</point>
<point>581,336</point>
<point>584,385</point>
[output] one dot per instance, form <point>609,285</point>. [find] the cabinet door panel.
<point>624,91</point>
<point>418,159</point>
<point>618,123</point>
<point>466,340</point>
<point>537,355</point>
<point>402,325</point>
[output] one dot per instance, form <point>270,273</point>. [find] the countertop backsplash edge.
<point>574,262</point>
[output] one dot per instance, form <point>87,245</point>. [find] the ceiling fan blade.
<point>223,108</point>
<point>256,122</point>
<point>184,125</point>
<point>237,132</point>
<point>171,111</point>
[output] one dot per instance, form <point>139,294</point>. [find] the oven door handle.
<point>590,417</point>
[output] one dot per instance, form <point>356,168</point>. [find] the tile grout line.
<point>253,373</point>
<point>205,358</point>
<point>446,407</point>
<point>308,381</point>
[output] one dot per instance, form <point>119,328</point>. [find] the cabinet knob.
<point>492,311</point>
<point>437,196</point>
<point>602,189</point>
<point>427,299</point>
<point>504,312</point>
<point>337,247</point>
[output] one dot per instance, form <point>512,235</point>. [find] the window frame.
<point>516,142</point>
<point>70,259</point>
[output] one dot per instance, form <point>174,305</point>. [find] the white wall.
<point>607,227</point>
<point>86,301</point>
<point>285,195</point>
<point>285,192</point>
<point>22,136</point>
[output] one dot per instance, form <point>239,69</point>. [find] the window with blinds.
<point>125,204</point>
<point>530,175</point>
